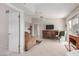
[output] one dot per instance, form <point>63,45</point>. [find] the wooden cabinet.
<point>74,40</point>
<point>49,34</point>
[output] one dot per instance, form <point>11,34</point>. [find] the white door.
<point>14,32</point>
<point>36,30</point>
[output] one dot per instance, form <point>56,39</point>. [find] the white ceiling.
<point>49,10</point>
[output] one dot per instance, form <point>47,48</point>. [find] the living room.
<point>43,29</point>
<point>46,38</point>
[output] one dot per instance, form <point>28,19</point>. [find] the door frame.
<point>21,24</point>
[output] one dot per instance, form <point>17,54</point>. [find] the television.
<point>49,26</point>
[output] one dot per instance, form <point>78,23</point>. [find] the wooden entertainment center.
<point>74,40</point>
<point>49,34</point>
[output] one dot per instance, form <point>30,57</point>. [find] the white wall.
<point>40,24</point>
<point>28,22</point>
<point>73,13</point>
<point>4,26</point>
<point>59,24</point>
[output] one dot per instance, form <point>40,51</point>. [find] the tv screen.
<point>49,26</point>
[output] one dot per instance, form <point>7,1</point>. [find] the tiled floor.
<point>46,48</point>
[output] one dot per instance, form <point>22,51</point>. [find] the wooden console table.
<point>74,40</point>
<point>49,34</point>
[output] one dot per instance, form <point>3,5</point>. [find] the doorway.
<point>36,30</point>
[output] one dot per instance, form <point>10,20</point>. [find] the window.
<point>70,22</point>
<point>74,21</point>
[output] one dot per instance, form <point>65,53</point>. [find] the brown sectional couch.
<point>29,41</point>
